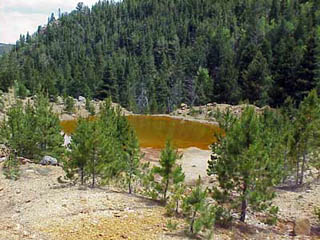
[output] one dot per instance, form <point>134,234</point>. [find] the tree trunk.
<point>94,170</point>
<point>192,222</point>
<point>285,166</point>
<point>244,204</point>
<point>165,191</point>
<point>82,175</point>
<point>93,178</point>
<point>177,206</point>
<point>302,168</point>
<point>297,177</point>
<point>129,183</point>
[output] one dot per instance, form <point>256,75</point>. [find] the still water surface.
<point>152,131</point>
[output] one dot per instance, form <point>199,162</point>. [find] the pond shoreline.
<point>70,117</point>
<point>185,118</point>
<point>154,130</point>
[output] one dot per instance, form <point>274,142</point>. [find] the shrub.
<point>171,225</point>
<point>90,107</point>
<point>199,214</point>
<point>69,105</point>
<point>11,168</point>
<point>223,217</point>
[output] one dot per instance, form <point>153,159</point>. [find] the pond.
<point>152,131</point>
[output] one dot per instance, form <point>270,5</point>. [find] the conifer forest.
<point>153,55</point>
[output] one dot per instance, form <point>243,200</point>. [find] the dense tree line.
<point>152,55</point>
<point>4,48</point>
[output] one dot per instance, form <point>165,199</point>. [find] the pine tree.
<point>257,81</point>
<point>306,133</point>
<point>317,59</point>
<point>79,150</point>
<point>111,50</point>
<point>168,170</point>
<point>47,129</point>
<point>11,167</point>
<point>200,215</point>
<point>204,86</point>
<point>247,164</point>
<point>17,130</point>
<point>91,151</point>
<point>33,130</point>
<point>133,156</point>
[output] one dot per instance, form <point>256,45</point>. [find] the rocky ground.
<point>203,113</point>
<point>40,206</point>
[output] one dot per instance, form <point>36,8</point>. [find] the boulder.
<point>60,100</point>
<point>302,226</point>
<point>23,160</point>
<point>183,106</point>
<point>4,151</point>
<point>82,99</point>
<point>47,160</point>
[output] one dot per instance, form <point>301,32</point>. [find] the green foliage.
<point>90,107</point>
<point>33,131</point>
<point>21,90</point>
<point>152,65</point>
<point>132,160</point>
<point>94,150</point>
<point>204,86</point>
<point>223,217</point>
<point>193,112</point>
<point>171,225</point>
<point>169,171</point>
<point>11,168</point>
<point>46,129</point>
<point>5,48</point>
<point>272,218</point>
<point>304,134</point>
<point>177,193</point>
<point>257,80</point>
<point>224,119</point>
<point>104,148</point>
<point>148,181</point>
<point>247,161</point>
<point>69,105</point>
<point>199,214</point>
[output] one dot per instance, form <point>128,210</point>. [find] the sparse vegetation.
<point>169,171</point>
<point>69,104</point>
<point>200,215</point>
<point>90,107</point>
<point>11,167</point>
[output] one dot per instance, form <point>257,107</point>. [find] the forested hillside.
<point>152,55</point>
<point>4,48</point>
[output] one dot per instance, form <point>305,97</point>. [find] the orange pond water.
<point>153,131</point>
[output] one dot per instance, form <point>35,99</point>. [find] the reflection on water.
<point>153,131</point>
